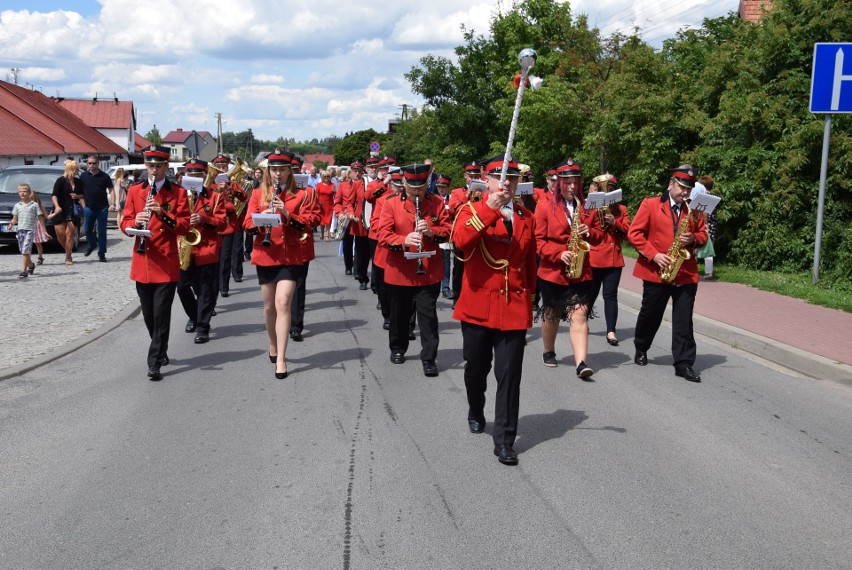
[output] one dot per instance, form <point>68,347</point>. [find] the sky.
<point>298,70</point>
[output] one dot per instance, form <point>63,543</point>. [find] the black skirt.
<point>558,302</point>
<point>274,273</point>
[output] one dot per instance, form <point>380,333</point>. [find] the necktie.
<point>508,216</point>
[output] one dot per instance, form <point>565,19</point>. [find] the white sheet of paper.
<point>479,185</point>
<point>301,180</point>
<point>704,203</point>
<point>221,178</point>
<point>595,200</point>
<point>192,183</point>
<point>524,189</point>
<point>613,197</point>
<point>273,220</point>
<point>138,232</point>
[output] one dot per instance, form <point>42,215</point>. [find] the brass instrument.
<point>212,173</point>
<point>141,247</point>
<point>602,181</point>
<point>191,238</point>
<point>677,252</point>
<point>237,173</point>
<point>577,246</point>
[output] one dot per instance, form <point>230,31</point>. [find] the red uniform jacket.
<point>210,205</point>
<point>292,241</point>
<point>396,223</point>
<point>354,195</point>
<point>499,278</point>
<point>160,263</point>
<point>376,190</point>
<point>607,253</point>
<point>380,256</point>
<point>552,234</point>
<point>652,231</point>
<point>540,195</point>
<point>234,222</point>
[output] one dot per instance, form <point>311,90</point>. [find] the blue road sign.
<point>375,146</point>
<point>831,80</point>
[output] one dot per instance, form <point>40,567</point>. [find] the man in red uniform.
<point>162,209</point>
<point>496,237</point>
<point>345,191</point>
<point>354,197</point>
<point>458,198</point>
<point>234,196</point>
<point>660,223</point>
<point>416,222</point>
<point>376,190</point>
<point>199,283</point>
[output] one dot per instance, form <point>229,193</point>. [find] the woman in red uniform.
<point>563,298</point>
<point>325,195</point>
<point>606,257</point>
<point>277,253</point>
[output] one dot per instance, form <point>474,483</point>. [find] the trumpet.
<point>141,247</point>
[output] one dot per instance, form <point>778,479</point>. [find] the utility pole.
<point>219,130</point>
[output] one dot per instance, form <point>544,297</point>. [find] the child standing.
<point>24,215</point>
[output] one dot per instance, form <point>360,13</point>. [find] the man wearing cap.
<point>199,282</point>
<point>160,207</point>
<point>458,198</point>
<point>415,222</point>
<point>340,216</point>
<point>396,186</point>
<point>354,199</point>
<point>376,191</point>
<point>232,247</point>
<point>655,229</point>
<point>497,241</point>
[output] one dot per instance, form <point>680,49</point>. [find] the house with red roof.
<point>183,142</point>
<point>35,129</point>
<point>114,119</point>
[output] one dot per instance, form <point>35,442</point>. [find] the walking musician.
<point>496,237</point>
<point>162,209</point>
<point>199,252</point>
<point>235,198</point>
<point>412,224</point>
<point>277,252</point>
<point>354,201</point>
<point>665,232</point>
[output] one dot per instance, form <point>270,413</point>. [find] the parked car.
<point>41,179</point>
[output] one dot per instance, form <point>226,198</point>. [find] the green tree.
<point>356,146</point>
<point>153,136</point>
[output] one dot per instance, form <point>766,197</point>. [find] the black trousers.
<point>362,258</point>
<point>347,241</point>
<point>197,291</point>
<point>607,278</point>
<point>458,272</point>
<point>297,307</point>
<point>248,243</point>
<point>156,300</point>
<point>422,301</point>
<point>655,296</point>
<point>230,259</point>
<point>507,347</point>
<point>374,271</point>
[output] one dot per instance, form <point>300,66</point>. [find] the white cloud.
<point>265,78</point>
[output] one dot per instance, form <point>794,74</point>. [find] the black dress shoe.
<point>164,361</point>
<point>238,279</point>
<point>272,359</point>
<point>190,326</point>
<point>363,286</point>
<point>397,357</point>
<point>386,325</point>
<point>296,336</point>
<point>224,293</point>
<point>201,336</point>
<point>411,335</point>
<point>281,375</point>
<point>247,256</point>
<point>102,258</point>
<point>612,341</point>
<point>430,368</point>
<point>641,358</point>
<point>89,251</point>
<point>475,425</point>
<point>506,455</point>
<point>154,373</point>
<point>688,373</point>
<point>348,272</point>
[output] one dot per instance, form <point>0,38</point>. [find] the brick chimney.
<point>752,10</point>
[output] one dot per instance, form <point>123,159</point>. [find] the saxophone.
<point>577,246</point>
<point>191,238</point>
<point>677,252</point>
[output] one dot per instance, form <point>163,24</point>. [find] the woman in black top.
<point>65,191</point>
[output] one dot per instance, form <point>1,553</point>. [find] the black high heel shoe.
<point>272,359</point>
<point>281,375</point>
<point>613,341</point>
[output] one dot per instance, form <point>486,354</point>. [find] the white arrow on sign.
<point>839,78</point>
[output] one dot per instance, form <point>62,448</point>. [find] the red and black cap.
<point>613,181</point>
<point>195,165</point>
<point>298,161</point>
<point>443,180</point>
<point>372,161</point>
<point>280,157</point>
<point>569,167</point>
<point>416,174</point>
<point>357,165</point>
<point>387,161</point>
<point>551,174</point>
<point>494,166</point>
<point>222,159</point>
<point>156,154</point>
<point>473,168</point>
<point>684,175</point>
<point>397,178</point>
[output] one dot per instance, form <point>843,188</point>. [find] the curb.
<point>128,312</point>
<point>805,363</point>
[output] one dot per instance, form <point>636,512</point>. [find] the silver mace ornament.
<point>526,59</point>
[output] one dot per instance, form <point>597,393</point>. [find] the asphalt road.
<point>353,462</point>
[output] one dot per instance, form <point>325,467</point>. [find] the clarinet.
<point>420,269</point>
<point>267,238</point>
<point>141,247</point>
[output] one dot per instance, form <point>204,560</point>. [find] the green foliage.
<point>153,136</point>
<point>356,146</point>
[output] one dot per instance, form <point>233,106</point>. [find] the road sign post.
<point>831,92</point>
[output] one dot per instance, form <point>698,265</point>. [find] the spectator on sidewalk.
<point>25,216</point>
<point>98,194</point>
<point>65,219</point>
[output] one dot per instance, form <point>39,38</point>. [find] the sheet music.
<point>193,184</point>
<point>524,189</point>
<point>138,232</point>
<point>222,178</point>
<point>301,180</point>
<point>613,197</point>
<point>704,203</point>
<point>595,200</point>
<point>273,220</point>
